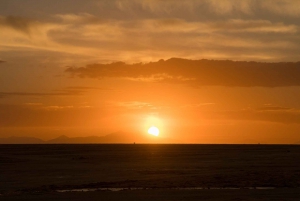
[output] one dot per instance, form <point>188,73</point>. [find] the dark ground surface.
<point>35,172</point>
<point>165,195</point>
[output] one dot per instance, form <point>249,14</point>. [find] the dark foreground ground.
<point>160,172</point>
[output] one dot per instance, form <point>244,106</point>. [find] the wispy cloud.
<point>166,35</point>
<point>284,116</point>
<point>282,7</point>
<point>136,105</point>
<point>222,8</point>
<point>199,72</point>
<point>84,88</point>
<point>274,108</point>
<point>17,23</point>
<point>44,115</point>
<point>67,91</point>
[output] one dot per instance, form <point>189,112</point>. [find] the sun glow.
<point>153,131</point>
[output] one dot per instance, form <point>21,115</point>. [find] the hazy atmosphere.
<point>200,71</point>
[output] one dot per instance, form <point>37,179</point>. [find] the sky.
<point>202,71</point>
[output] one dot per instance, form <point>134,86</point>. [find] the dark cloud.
<point>199,72</point>
<point>62,93</point>
<point>277,116</point>
<point>77,90</point>
<point>273,108</point>
<point>1,61</point>
<point>281,10</point>
<point>17,23</point>
<point>68,91</point>
<point>43,116</point>
<point>86,88</point>
<point>81,19</point>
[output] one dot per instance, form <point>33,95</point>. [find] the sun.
<point>153,131</point>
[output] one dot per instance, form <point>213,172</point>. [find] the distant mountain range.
<point>21,140</point>
<point>119,137</point>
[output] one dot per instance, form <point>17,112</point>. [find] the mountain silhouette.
<point>21,140</point>
<point>118,137</point>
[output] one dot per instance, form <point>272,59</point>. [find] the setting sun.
<point>153,131</point>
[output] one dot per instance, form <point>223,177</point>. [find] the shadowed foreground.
<point>165,194</point>
<point>38,172</point>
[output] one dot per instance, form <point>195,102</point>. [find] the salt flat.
<point>160,172</point>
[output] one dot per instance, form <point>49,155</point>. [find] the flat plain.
<point>149,172</point>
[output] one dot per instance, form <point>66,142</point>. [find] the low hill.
<point>118,137</point>
<point>21,140</point>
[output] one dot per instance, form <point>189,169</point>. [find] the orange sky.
<point>97,67</point>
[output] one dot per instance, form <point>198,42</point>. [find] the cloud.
<point>148,30</point>
<point>77,90</point>
<point>70,91</point>
<point>199,72</point>
<point>136,105</point>
<point>17,23</point>
<point>41,106</point>
<point>197,105</point>
<point>276,115</point>
<point>33,104</point>
<point>209,7</point>
<point>45,115</point>
<point>152,39</point>
<point>56,107</point>
<point>282,7</point>
<point>21,34</point>
<point>274,108</point>
<point>1,61</point>
<point>82,18</point>
<point>253,26</point>
<point>65,93</point>
<point>86,88</point>
<point>228,6</point>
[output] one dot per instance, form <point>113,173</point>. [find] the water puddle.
<point>265,188</point>
<point>78,190</point>
<point>182,188</point>
<point>98,189</point>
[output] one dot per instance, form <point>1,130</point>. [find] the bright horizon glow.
<point>153,131</point>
